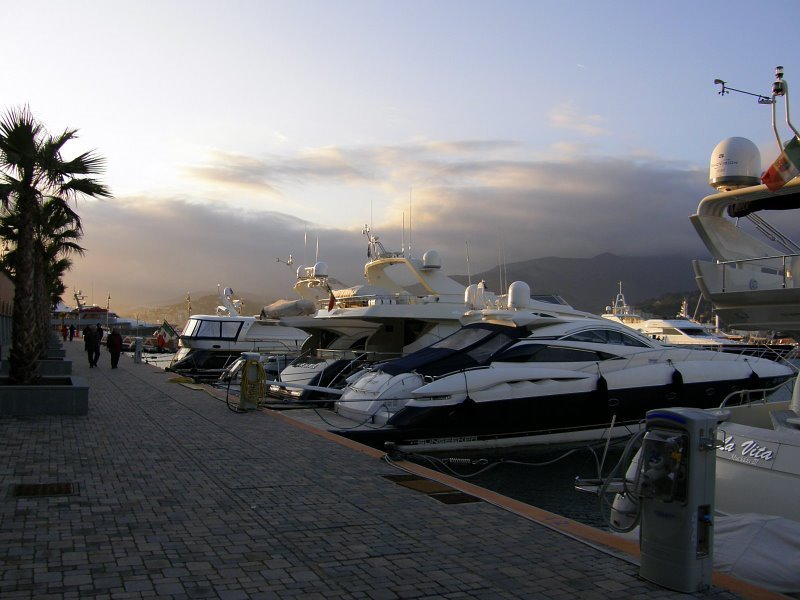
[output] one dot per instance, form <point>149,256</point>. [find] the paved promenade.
<point>178,497</point>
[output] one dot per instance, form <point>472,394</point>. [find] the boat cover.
<point>288,308</point>
<point>761,549</point>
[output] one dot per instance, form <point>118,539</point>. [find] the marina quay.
<point>161,491</point>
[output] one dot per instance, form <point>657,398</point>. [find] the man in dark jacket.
<point>114,345</point>
<point>90,343</point>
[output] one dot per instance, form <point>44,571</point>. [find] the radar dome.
<point>735,163</point>
<point>519,294</point>
<point>321,269</point>
<point>431,260</point>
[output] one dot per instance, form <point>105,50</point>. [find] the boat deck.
<point>162,491</point>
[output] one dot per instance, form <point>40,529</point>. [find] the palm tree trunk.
<point>24,351</point>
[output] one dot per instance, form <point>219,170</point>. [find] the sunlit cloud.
<point>566,116</point>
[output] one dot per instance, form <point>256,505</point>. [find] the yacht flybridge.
<point>405,304</point>
<point>753,282</point>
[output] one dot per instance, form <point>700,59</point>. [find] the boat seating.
<point>783,420</point>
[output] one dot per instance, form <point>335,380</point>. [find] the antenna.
<point>469,272</point>
<point>727,90</point>
<point>410,196</point>
<point>403,237</point>
<point>316,257</point>
<point>781,88</point>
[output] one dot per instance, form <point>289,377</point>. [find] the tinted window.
<point>462,338</point>
<point>593,335</point>
<point>605,336</point>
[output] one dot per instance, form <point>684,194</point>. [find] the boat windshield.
<point>207,329</point>
<point>471,346</point>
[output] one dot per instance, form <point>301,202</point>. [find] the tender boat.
<point>209,344</point>
<point>759,449</point>
<point>532,373</point>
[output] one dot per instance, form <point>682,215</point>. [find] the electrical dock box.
<point>676,487</point>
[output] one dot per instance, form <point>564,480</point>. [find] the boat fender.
<point>602,388</point>
<point>675,387</point>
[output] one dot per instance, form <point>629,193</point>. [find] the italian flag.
<point>785,167</point>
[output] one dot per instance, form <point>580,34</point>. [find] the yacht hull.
<point>582,410</point>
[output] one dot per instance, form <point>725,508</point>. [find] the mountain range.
<point>589,284</point>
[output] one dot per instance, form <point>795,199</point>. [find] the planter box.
<point>46,368</point>
<point>49,396</point>
<point>55,352</point>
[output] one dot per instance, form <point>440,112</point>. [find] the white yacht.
<point>752,281</point>
<point>208,344</point>
<point>531,373</point>
<point>405,304</point>
<point>682,330</point>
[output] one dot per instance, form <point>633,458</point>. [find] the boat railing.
<point>366,356</point>
<point>379,300</point>
<point>751,396</point>
<point>778,265</point>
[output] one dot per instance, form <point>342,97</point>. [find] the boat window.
<point>230,329</point>
<point>694,332</point>
<point>489,347</point>
<point>463,338</point>
<point>227,330</point>
<point>471,346</point>
<point>190,327</point>
<point>543,353</point>
<point>592,335</point>
<point>605,336</point>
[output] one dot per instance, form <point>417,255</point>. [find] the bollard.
<point>137,351</point>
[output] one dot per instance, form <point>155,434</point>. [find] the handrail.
<point>756,259</point>
<point>784,276</point>
<point>378,299</point>
<point>764,392</point>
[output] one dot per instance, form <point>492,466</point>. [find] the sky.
<point>238,133</point>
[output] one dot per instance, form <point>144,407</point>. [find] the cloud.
<point>146,250</point>
<point>566,116</point>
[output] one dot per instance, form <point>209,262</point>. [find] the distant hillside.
<point>591,284</point>
<point>177,313</point>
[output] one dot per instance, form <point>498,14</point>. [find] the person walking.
<point>114,345</point>
<point>98,339</point>
<point>71,332</point>
<point>89,343</point>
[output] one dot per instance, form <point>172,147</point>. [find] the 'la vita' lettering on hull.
<point>750,450</point>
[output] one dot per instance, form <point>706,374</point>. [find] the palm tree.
<point>32,169</point>
<point>58,229</point>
